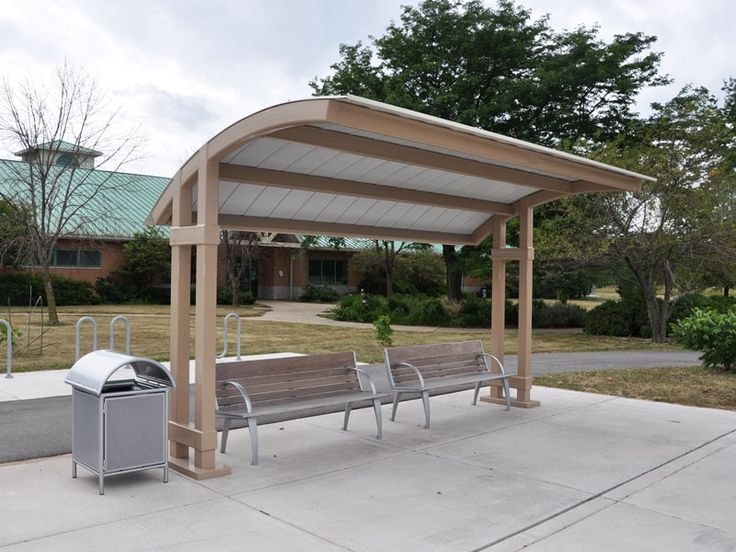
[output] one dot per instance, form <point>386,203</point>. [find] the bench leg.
<point>507,392</point>
<point>395,406</point>
<point>425,401</point>
<point>475,394</point>
<point>348,408</point>
<point>253,428</point>
<point>225,430</point>
<point>379,422</point>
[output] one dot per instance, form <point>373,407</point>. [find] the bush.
<point>557,315</point>
<point>712,332</point>
<point>472,312</point>
<point>318,294</point>
<point>225,296</point>
<point>384,332</point>
<point>357,308</point>
<point>14,289</point>
<point>612,318</point>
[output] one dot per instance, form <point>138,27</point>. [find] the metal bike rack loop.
<point>229,316</point>
<point>9,349</point>
<point>76,334</point>
<point>124,320</point>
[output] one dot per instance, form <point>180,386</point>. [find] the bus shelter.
<point>347,166</point>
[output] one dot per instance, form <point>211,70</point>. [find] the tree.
<point>147,259</point>
<point>240,249</point>
<point>497,69</point>
<point>52,193</point>
<point>681,226</point>
<point>12,236</point>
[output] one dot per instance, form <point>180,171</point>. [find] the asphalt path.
<point>36,428</point>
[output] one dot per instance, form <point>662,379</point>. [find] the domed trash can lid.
<point>92,372</point>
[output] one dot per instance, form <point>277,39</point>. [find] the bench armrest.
<point>416,371</point>
<point>367,376</point>
<point>243,394</point>
<point>493,359</point>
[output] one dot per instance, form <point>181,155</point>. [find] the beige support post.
<point>523,381</point>
<point>524,255</point>
<point>498,299</point>
<point>181,263</point>
<point>203,437</point>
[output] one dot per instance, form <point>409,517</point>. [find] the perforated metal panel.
<point>135,429</point>
<point>86,445</point>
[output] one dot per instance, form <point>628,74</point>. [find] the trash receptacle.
<point>120,414</point>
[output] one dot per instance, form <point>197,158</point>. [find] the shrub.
<point>475,312</point>
<point>357,308</point>
<point>318,294</point>
<point>713,333</point>
<point>15,287</point>
<point>384,332</point>
<point>610,318</point>
<point>557,315</point>
<point>225,296</point>
<point>4,333</point>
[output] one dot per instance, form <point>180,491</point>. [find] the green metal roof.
<point>62,147</point>
<point>118,211</point>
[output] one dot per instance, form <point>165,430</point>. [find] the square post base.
<point>514,402</point>
<point>185,467</point>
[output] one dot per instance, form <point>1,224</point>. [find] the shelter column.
<point>498,298</point>
<point>524,254</point>
<point>523,381</point>
<point>206,236</point>
<point>181,264</point>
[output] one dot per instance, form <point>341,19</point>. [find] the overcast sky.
<point>185,69</point>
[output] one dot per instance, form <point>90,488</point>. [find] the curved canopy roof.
<point>348,166</point>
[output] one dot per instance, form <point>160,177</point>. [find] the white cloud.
<point>185,69</point>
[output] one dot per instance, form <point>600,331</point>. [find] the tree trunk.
<point>389,283</point>
<point>657,323</point>
<point>454,276</point>
<point>235,289</point>
<point>726,290</point>
<point>50,297</point>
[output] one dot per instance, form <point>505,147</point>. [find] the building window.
<point>77,258</point>
<point>328,272</point>
<point>67,160</point>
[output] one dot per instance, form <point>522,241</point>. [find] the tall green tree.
<point>147,260</point>
<point>677,231</point>
<point>498,69</point>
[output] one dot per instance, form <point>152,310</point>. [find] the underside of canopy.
<point>348,166</point>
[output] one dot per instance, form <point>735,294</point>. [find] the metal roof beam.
<point>369,147</point>
<point>298,181</point>
<point>294,226</point>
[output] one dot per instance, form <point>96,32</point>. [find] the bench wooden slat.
<point>405,354</point>
<point>441,365</point>
<point>286,365</point>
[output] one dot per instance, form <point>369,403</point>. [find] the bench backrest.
<point>278,380</point>
<point>434,361</point>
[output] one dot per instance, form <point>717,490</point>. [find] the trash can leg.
<point>166,473</point>
<point>102,484</point>
<point>74,469</point>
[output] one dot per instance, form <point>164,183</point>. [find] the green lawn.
<point>150,336</point>
<point>695,386</point>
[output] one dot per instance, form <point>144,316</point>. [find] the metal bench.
<point>424,368</point>
<point>252,389</point>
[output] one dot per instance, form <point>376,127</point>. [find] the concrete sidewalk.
<point>581,472</point>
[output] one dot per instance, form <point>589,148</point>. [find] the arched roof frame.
<point>348,166</point>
